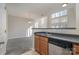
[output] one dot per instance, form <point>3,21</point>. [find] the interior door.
<point>3,34</point>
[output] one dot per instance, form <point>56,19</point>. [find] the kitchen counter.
<point>65,37</point>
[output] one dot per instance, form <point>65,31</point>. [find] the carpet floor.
<point>17,51</point>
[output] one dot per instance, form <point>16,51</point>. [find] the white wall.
<point>77,16</point>
<point>73,22</point>
<point>16,27</point>
<point>3,28</point>
<point>42,22</point>
<point>71,16</point>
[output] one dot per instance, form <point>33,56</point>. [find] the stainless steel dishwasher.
<point>59,47</point>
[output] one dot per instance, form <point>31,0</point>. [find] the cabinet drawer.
<point>43,42</point>
<point>44,39</point>
<point>76,47</point>
<point>36,36</point>
<point>44,51</point>
<point>44,46</point>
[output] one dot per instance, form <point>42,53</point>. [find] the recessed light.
<point>64,5</point>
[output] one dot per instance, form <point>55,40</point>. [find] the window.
<point>36,25</point>
<point>59,19</point>
<point>29,32</point>
<point>53,15</point>
<point>64,19</point>
<point>59,14</point>
<point>43,20</point>
<point>55,21</point>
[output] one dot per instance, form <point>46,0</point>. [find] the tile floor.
<point>31,52</point>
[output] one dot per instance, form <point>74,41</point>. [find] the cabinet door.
<point>76,49</point>
<point>43,45</point>
<point>37,43</point>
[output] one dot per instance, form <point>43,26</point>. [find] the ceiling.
<point>32,10</point>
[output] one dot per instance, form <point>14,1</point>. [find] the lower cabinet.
<point>76,49</point>
<point>41,44</point>
<point>37,43</point>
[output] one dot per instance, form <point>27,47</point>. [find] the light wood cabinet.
<point>37,43</point>
<point>41,45</point>
<point>76,49</point>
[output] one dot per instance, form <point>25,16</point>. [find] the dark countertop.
<point>65,37</point>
